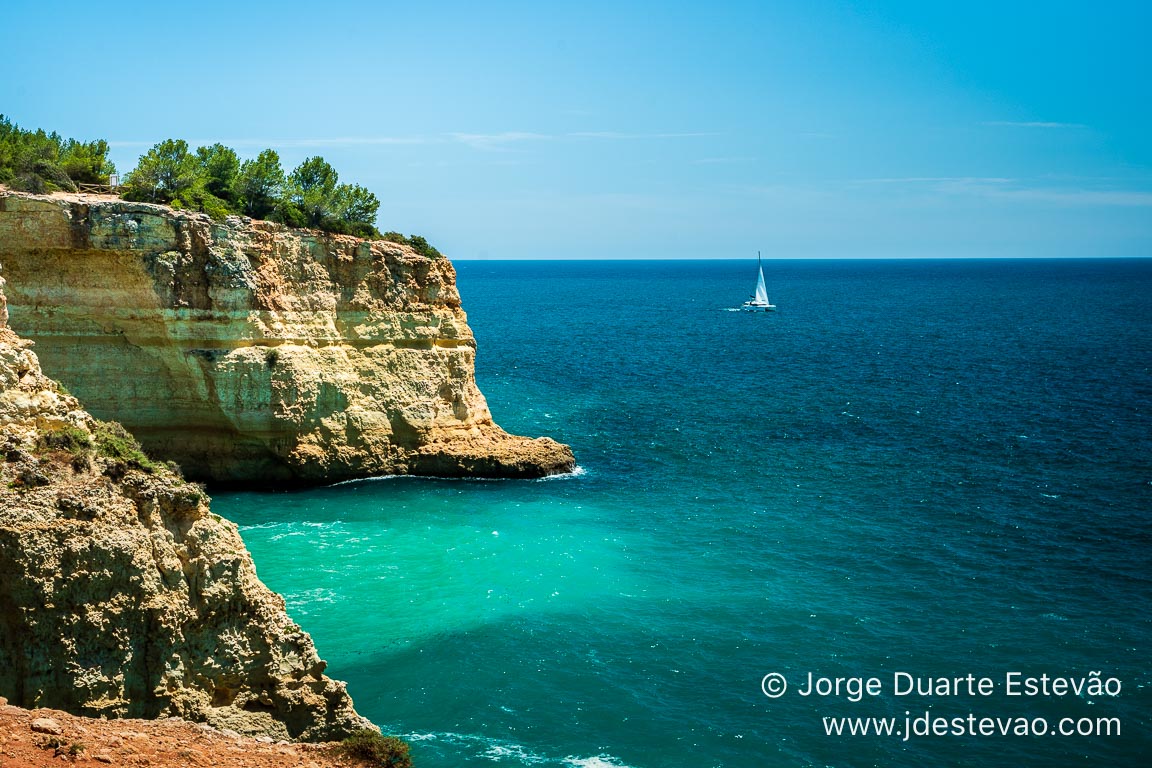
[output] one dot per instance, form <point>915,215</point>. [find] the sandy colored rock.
<point>248,351</point>
<point>46,725</point>
<point>122,595</point>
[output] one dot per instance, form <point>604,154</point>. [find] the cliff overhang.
<point>249,352</point>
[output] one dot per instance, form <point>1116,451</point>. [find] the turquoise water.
<point>936,467</point>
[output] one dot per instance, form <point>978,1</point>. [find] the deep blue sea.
<point>936,468</point>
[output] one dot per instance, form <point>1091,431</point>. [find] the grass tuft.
<point>116,443</point>
<point>376,750</point>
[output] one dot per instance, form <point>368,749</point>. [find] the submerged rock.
<point>248,351</point>
<point>122,595</point>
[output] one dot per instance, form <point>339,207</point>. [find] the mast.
<point>761,292</point>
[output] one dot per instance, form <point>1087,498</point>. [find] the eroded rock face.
<point>247,351</point>
<point>122,595</point>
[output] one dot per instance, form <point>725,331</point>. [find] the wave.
<point>258,526</point>
<point>578,471</point>
<point>599,761</point>
<point>474,746</point>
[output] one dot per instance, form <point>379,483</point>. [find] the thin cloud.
<point>998,188</point>
<point>631,136</point>
<point>1030,124</point>
<point>504,140</point>
<point>723,160</point>
<point>953,180</point>
<point>1081,197</point>
<point>340,141</point>
<point>496,141</point>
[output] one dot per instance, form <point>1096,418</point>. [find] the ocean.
<point>912,472</point>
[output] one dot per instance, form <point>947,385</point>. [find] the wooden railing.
<point>100,189</point>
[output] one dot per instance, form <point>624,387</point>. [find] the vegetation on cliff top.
<point>215,181</point>
<point>212,180</point>
<point>107,447</point>
<point>35,161</point>
<point>108,441</point>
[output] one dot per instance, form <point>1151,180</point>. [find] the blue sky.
<point>642,130</point>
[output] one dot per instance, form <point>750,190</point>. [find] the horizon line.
<point>813,258</point>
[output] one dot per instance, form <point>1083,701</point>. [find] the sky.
<point>536,130</point>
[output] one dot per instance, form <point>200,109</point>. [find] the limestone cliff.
<point>122,595</point>
<point>247,351</point>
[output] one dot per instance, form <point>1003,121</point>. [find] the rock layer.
<point>248,351</point>
<point>122,595</point>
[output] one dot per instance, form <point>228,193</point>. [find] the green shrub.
<point>35,161</point>
<point>363,229</point>
<point>42,177</point>
<point>28,182</point>
<point>415,242</point>
<point>377,750</point>
<point>71,439</point>
<point>86,162</point>
<point>162,173</point>
<point>358,228</point>
<point>116,443</point>
<point>288,213</point>
<point>198,198</point>
<point>422,247</point>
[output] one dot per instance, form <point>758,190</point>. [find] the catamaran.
<point>759,302</point>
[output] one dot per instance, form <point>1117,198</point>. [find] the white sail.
<point>761,291</point>
<point>759,303</point>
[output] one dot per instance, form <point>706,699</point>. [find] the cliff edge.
<point>122,595</point>
<point>247,351</point>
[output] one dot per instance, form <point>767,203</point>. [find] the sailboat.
<point>759,302</point>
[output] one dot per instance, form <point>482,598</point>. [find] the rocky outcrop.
<point>247,351</point>
<point>92,742</point>
<point>122,595</point>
